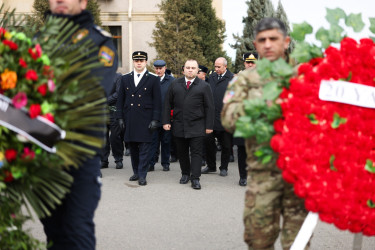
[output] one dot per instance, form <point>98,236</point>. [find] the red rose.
<point>28,154</point>
<point>8,176</point>
<point>2,31</point>
<point>10,155</point>
<point>22,63</point>
<point>10,44</point>
<point>34,110</point>
<point>36,52</point>
<point>49,117</point>
<point>42,89</point>
<point>31,75</point>
<point>278,125</point>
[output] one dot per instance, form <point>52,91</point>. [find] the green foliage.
<point>304,51</point>
<point>337,121</point>
<point>331,161</point>
<point>188,30</point>
<point>372,25</point>
<point>41,183</point>
<point>301,30</point>
<point>370,166</point>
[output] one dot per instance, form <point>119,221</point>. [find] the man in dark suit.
<point>193,113</point>
<point>161,137</point>
<point>218,82</point>
<point>138,110</point>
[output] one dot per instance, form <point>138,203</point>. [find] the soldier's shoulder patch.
<point>79,35</point>
<point>103,32</point>
<point>228,96</point>
<point>235,77</point>
<point>106,56</point>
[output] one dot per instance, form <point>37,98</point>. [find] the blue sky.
<point>298,11</point>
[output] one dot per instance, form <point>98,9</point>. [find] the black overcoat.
<point>218,88</point>
<point>193,108</point>
<point>138,106</point>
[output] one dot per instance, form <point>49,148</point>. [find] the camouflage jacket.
<point>246,85</point>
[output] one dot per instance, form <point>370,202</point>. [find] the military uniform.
<point>71,225</point>
<point>139,105</point>
<point>267,196</point>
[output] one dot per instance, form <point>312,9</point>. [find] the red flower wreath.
<point>327,149</point>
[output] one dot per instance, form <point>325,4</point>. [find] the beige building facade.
<point>131,23</point>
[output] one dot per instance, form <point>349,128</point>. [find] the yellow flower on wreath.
<point>8,79</point>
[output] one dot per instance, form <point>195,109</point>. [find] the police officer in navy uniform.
<point>161,137</point>
<point>71,225</point>
<point>202,73</point>
<point>138,110</point>
<point>114,140</point>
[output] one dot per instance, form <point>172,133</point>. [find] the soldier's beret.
<point>250,57</point>
<point>139,55</point>
<point>160,63</point>
<point>203,68</point>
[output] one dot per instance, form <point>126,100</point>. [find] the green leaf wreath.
<point>44,76</point>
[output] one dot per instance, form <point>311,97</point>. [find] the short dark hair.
<point>270,23</point>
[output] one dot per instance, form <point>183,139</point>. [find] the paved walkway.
<point>167,215</point>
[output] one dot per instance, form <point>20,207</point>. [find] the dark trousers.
<point>71,225</point>
<point>160,138</point>
<point>114,140</point>
<point>241,153</point>
<point>190,165</point>
<point>173,150</point>
<point>139,154</point>
<point>225,140</point>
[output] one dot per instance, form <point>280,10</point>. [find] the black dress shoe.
<point>242,182</point>
<point>104,165</point>
<point>119,165</point>
<point>173,159</point>
<point>203,163</point>
<point>127,152</point>
<point>150,168</point>
<point>142,182</point>
<point>195,184</point>
<point>184,179</point>
<point>231,158</point>
<point>223,172</point>
<point>207,170</point>
<point>165,168</point>
<point>134,177</point>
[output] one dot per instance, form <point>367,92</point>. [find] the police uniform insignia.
<point>103,32</point>
<point>79,35</point>
<point>106,56</point>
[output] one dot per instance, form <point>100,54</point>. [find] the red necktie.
<point>188,84</point>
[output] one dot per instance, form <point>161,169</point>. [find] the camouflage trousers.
<point>268,197</point>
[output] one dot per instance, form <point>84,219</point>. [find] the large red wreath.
<point>327,149</point>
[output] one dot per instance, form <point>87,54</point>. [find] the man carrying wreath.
<point>268,196</point>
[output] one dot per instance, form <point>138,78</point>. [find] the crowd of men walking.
<point>156,114</point>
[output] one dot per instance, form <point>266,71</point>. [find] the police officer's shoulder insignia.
<point>103,32</point>
<point>106,56</point>
<point>79,35</point>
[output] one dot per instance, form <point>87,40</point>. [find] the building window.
<point>117,40</point>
